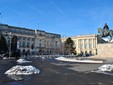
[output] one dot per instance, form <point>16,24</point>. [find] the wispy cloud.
<point>60,11</point>
<point>37,10</point>
<point>57,8</point>
<point>18,13</point>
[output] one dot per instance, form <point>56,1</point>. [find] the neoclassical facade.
<point>87,44</point>
<point>37,41</point>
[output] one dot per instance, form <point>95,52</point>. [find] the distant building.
<point>86,44</point>
<point>34,41</point>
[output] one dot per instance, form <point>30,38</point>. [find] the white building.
<point>37,41</point>
<point>86,44</point>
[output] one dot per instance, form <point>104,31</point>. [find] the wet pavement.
<point>52,74</point>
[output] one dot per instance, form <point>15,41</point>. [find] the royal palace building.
<point>86,44</point>
<point>34,41</point>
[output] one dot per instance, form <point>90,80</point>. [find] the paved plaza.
<point>56,73</point>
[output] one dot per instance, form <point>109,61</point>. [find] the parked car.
<point>15,54</point>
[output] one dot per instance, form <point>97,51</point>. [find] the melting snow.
<point>22,70</point>
<point>106,67</point>
<point>78,61</point>
<point>23,61</point>
<point>15,77</point>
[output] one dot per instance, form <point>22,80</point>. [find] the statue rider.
<point>106,30</point>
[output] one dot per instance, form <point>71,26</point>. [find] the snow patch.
<point>78,61</point>
<point>22,70</point>
<point>5,58</point>
<point>106,67</point>
<point>23,61</point>
<point>15,77</point>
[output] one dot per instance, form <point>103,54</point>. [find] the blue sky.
<point>65,17</point>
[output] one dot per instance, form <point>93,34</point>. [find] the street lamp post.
<point>10,38</point>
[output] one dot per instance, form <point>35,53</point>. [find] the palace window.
<point>81,40</point>
<point>28,44</point>
<point>23,44</point>
<point>86,41</point>
<point>32,46</point>
<point>40,45</point>
<point>81,46</point>
<point>24,38</point>
<point>90,45</point>
<point>90,40</point>
<point>86,45</point>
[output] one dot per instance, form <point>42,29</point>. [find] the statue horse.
<point>105,33</point>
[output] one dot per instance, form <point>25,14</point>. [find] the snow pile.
<point>65,59</point>
<point>60,58</point>
<point>78,61</point>
<point>23,61</point>
<point>15,77</point>
<point>5,58</point>
<point>106,67</point>
<point>22,70</point>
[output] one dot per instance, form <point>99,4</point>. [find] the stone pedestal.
<point>105,50</point>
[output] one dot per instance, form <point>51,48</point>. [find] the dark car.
<point>13,54</point>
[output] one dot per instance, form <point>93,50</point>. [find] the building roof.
<point>22,28</point>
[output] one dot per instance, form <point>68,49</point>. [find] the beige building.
<point>34,41</point>
<point>86,44</point>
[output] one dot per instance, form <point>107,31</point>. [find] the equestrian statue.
<point>105,32</point>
